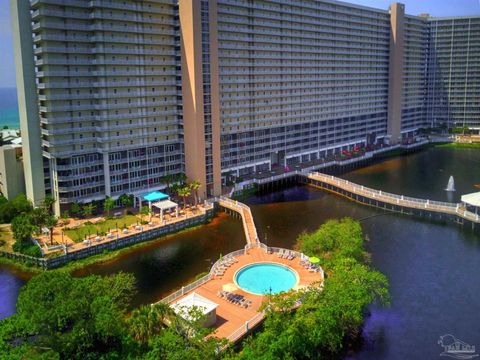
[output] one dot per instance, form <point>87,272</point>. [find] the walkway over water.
<point>246,215</point>
<point>389,201</point>
<point>234,322</point>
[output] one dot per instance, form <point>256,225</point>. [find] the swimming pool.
<point>266,278</point>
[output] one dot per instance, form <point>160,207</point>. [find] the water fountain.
<point>451,184</point>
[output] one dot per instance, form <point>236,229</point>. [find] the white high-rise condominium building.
<point>118,94</point>
<point>454,72</point>
<point>109,95</point>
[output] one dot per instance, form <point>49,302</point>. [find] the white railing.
<point>241,209</point>
<point>440,206</point>
<point>197,283</point>
<point>185,289</point>
<point>245,328</point>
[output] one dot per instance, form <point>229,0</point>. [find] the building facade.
<point>12,179</point>
<point>454,72</point>
<point>128,92</point>
<point>109,96</point>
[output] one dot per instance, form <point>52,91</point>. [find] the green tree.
<point>194,186</point>
<point>147,321</point>
<point>327,318</point>
<point>168,179</point>
<point>22,228</point>
<point>38,217</point>
<point>50,222</point>
<point>108,205</point>
<point>47,204</point>
<point>335,238</point>
<point>184,192</point>
<point>76,209</point>
<point>21,204</point>
<point>76,318</point>
<point>180,178</point>
<point>88,209</point>
<point>126,201</point>
<point>145,211</point>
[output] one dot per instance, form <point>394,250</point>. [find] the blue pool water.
<point>266,278</point>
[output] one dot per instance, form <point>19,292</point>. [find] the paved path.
<point>401,200</point>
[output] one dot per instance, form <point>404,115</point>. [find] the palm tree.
<point>194,186</point>
<point>48,201</point>
<point>168,179</point>
<point>50,222</point>
<point>147,321</point>
<point>108,205</point>
<point>181,178</point>
<point>184,192</point>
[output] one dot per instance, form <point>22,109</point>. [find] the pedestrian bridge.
<point>246,215</point>
<point>391,202</point>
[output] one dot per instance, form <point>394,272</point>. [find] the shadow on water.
<point>168,263</point>
<point>11,280</point>
<point>432,267</point>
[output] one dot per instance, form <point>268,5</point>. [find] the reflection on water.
<point>424,174</point>
<point>11,280</point>
<point>432,267</point>
<point>168,263</point>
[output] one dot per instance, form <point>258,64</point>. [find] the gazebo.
<point>472,202</point>
<point>165,205</point>
<point>204,305</point>
<point>151,197</point>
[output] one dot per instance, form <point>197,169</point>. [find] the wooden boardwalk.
<point>234,322</point>
<point>380,198</point>
<point>246,215</point>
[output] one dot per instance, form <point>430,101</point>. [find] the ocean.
<point>9,108</point>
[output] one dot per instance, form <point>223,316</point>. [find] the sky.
<point>412,7</point>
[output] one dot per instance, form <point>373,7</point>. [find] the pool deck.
<point>230,317</point>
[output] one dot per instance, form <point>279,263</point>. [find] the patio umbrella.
<point>229,287</point>
<point>314,259</point>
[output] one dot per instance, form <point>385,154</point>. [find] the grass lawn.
<point>460,145</point>
<point>79,233</point>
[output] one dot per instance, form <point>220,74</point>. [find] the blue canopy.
<point>155,196</point>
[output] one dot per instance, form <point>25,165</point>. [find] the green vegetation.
<point>112,255</point>
<point>108,204</point>
<point>459,130</point>
<point>459,145</point>
<point>10,209</point>
<point>28,221</point>
<point>327,319</point>
<point>61,317</point>
<point>103,227</point>
<point>194,186</point>
<point>184,191</point>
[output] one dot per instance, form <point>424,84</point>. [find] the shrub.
<point>29,249</point>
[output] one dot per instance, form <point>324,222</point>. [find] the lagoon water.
<point>432,267</point>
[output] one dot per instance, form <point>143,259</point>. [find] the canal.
<point>432,267</point>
